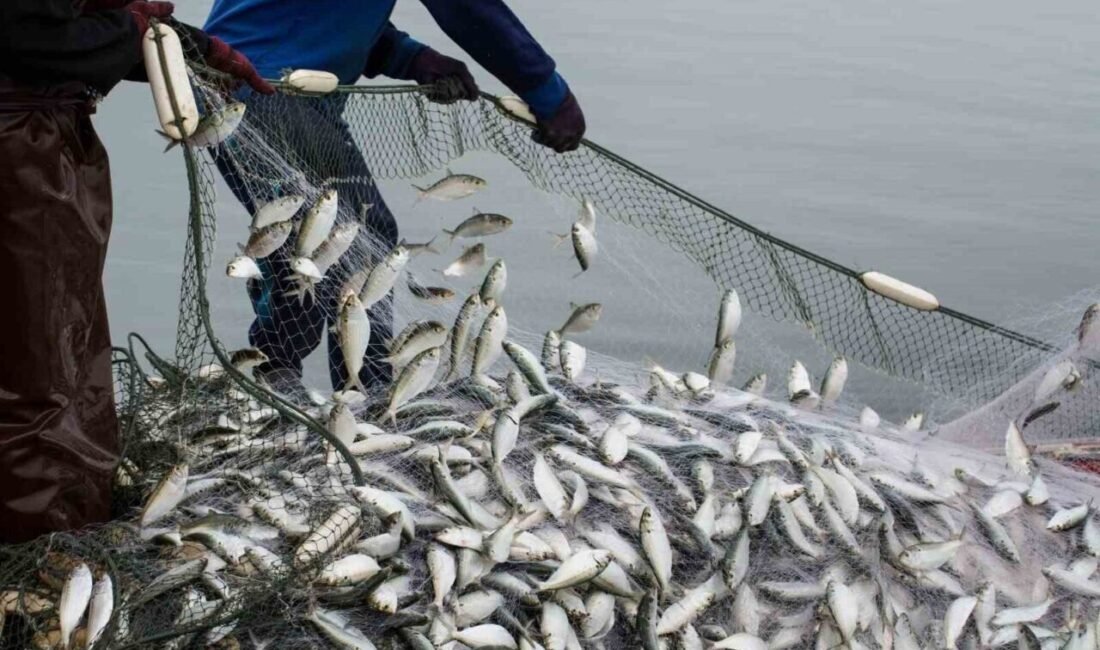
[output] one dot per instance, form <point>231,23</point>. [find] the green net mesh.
<point>281,530</point>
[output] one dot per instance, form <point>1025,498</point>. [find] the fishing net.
<point>254,512</point>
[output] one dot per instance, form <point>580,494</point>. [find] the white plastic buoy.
<point>315,82</point>
<point>518,108</point>
<point>164,64</point>
<point>899,291</point>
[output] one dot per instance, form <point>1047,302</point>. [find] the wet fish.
<point>277,210</point>
<point>317,224</point>
<point>431,295</point>
<point>585,246</point>
<point>243,267</point>
<point>729,317</point>
<point>267,240</point>
<point>338,243</point>
<point>353,331</point>
<point>75,596</point>
<point>470,259</point>
<point>450,187</point>
<point>216,127</point>
<point>489,341</point>
<point>583,318</point>
<point>494,283</point>
<point>832,385</point>
<point>720,368</point>
<point>481,224</point>
<point>383,276</point>
<point>413,380</point>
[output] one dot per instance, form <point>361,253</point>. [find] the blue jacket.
<point>350,38</point>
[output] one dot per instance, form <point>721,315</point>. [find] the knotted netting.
<point>562,497</point>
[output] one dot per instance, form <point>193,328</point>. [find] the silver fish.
<point>353,330</point>
<point>470,259</point>
<point>494,283</point>
<point>414,339</point>
<point>215,128</point>
<point>585,246</point>
<point>243,267</point>
<point>413,380</point>
<point>267,240</point>
<point>277,210</point>
<point>460,332</point>
<point>489,341</point>
<point>720,368</point>
<point>583,318</point>
<point>482,224</point>
<point>338,243</point>
<point>450,187</point>
<point>75,596</point>
<point>317,224</point>
<point>431,295</point>
<point>729,317</point>
<point>166,496</point>
<point>832,385</point>
<point>383,276</point>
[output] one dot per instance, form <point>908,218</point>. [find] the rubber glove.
<point>451,77</point>
<point>563,130</point>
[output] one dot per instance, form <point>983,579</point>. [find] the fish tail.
<point>558,239</point>
<point>420,194</point>
<point>172,142</point>
<point>428,247</point>
<point>452,237</point>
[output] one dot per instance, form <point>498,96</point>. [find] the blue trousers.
<point>311,135</point>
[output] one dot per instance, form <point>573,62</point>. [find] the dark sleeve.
<point>51,41</point>
<point>391,53</point>
<point>490,33</point>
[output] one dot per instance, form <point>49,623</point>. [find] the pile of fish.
<point>509,503</point>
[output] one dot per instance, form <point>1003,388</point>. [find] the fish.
<point>914,422</point>
<point>799,391</point>
<point>431,295</point>
<point>720,368</point>
<point>166,496</point>
<point>243,267</point>
<point>332,249</point>
<point>585,246</point>
<point>1068,518</point>
<point>868,419</point>
<point>656,547</point>
<point>75,596</point>
<point>756,385</point>
<point>419,249</point>
<point>489,341</point>
<point>481,224</point>
<point>317,224</point>
<point>471,258</point>
<point>582,319</point>
<point>729,317</point>
<point>336,627</point>
<point>353,331</point>
<point>494,283</point>
<point>571,359</point>
<point>267,240</point>
<point>383,276</point>
<point>277,210</point>
<point>100,608</point>
<point>417,337</point>
<point>1016,452</point>
<point>413,380</point>
<point>1088,331</point>
<point>450,187</point>
<point>213,128</point>
<point>460,332</point>
<point>832,385</point>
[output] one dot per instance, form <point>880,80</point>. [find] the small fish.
<point>444,572</point>
<point>214,128</point>
<point>1088,330</point>
<point>587,215</point>
<point>1038,412</point>
<point>494,283</point>
<point>583,318</point>
<point>1016,452</point>
<point>277,210</point>
<point>572,359</point>
<point>338,243</point>
<point>431,295</point>
<point>489,344</point>
<point>868,419</point>
<point>75,596</point>
<point>756,385</point>
<point>267,240</point>
<point>353,330</point>
<point>914,422</point>
<point>720,368</point>
<point>958,613</point>
<point>832,385</point>
<point>470,259</point>
<point>482,224</point>
<point>656,547</point>
<point>551,350</point>
<point>166,496</point>
<point>729,317</point>
<point>383,276</point>
<point>1069,517</point>
<point>100,608</point>
<point>460,332</point>
<point>577,570</point>
<point>336,627</point>
<point>317,224</point>
<point>585,246</point>
<point>419,249</point>
<point>243,267</point>
<point>413,380</point>
<point>799,390</point>
<point>450,187</point>
<point>417,337</point>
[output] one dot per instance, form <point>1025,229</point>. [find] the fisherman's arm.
<point>490,33</point>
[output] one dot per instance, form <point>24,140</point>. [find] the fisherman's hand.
<point>104,5</point>
<point>143,11</point>
<point>451,77</point>
<point>222,57</point>
<point>563,130</point>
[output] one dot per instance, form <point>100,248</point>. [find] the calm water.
<point>953,145</point>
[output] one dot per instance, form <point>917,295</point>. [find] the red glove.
<point>143,11</point>
<point>225,59</point>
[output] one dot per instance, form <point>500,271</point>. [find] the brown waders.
<point>58,429</point>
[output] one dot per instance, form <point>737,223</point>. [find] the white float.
<point>164,63</point>
<point>899,291</point>
<point>314,82</point>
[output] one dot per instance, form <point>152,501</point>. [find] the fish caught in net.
<point>464,475</point>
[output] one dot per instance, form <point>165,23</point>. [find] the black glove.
<point>451,77</point>
<point>564,129</point>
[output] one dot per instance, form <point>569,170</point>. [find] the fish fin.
<point>452,234</point>
<point>428,247</point>
<point>172,142</point>
<point>579,273</point>
<point>558,239</point>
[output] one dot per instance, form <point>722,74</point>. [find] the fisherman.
<point>58,432</point>
<point>352,38</point>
